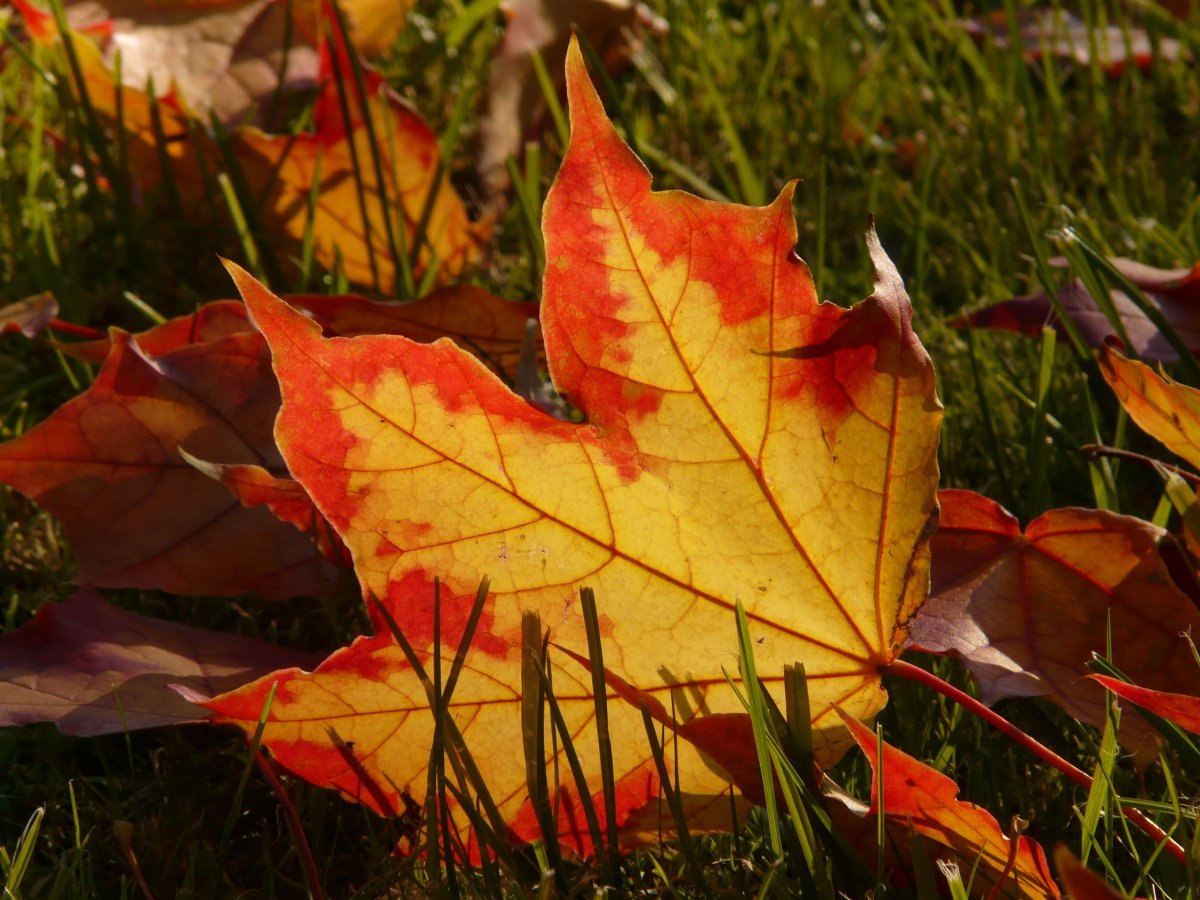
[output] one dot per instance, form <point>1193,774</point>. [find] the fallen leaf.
<point>1063,35</point>
<point>136,515</point>
<point>92,668</point>
<point>743,442</point>
<point>228,58</point>
<point>210,322</point>
<point>1025,611</point>
<point>30,316</point>
<point>280,170</point>
<point>1162,407</point>
<point>361,213</point>
<point>917,797</point>
<point>287,501</point>
<point>478,321</point>
<point>1081,884</point>
<point>1181,709</point>
<point>361,724</point>
<point>1176,293</point>
<point>516,105</point>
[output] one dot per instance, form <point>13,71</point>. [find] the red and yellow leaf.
<point>94,669</point>
<point>1026,611</point>
<point>136,514</point>
<point>917,797</point>
<point>743,442</point>
<point>1162,407</point>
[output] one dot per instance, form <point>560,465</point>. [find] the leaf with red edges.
<point>744,441</point>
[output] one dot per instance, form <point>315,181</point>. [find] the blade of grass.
<point>591,622</point>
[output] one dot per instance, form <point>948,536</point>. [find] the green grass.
<point>974,162</point>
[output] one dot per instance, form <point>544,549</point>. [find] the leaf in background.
<point>1063,35</point>
<point>279,170</point>
<point>230,58</point>
<point>1081,883</point>
<point>30,316</point>
<point>1181,709</point>
<point>210,322</point>
<point>409,155</point>
<point>92,668</point>
<point>917,797</point>
<point>744,441</point>
<point>516,105</point>
<point>478,321</point>
<point>287,501</point>
<point>135,513</point>
<point>1162,407</point>
<point>1176,292</point>
<point>1026,611</point>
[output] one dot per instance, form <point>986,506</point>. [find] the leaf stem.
<point>966,701</point>
<point>1094,451</point>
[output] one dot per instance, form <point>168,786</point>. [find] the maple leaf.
<point>1026,610</point>
<point>1162,407</point>
<point>918,798</point>
<point>92,668</point>
<point>743,442</point>
<point>135,513</point>
<point>1176,293</point>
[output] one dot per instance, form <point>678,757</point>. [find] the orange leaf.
<point>1181,709</point>
<point>94,669</point>
<point>135,513</point>
<point>1161,406</point>
<point>408,150</point>
<point>743,442</point>
<point>918,797</point>
<point>1026,611</point>
<point>210,322</point>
